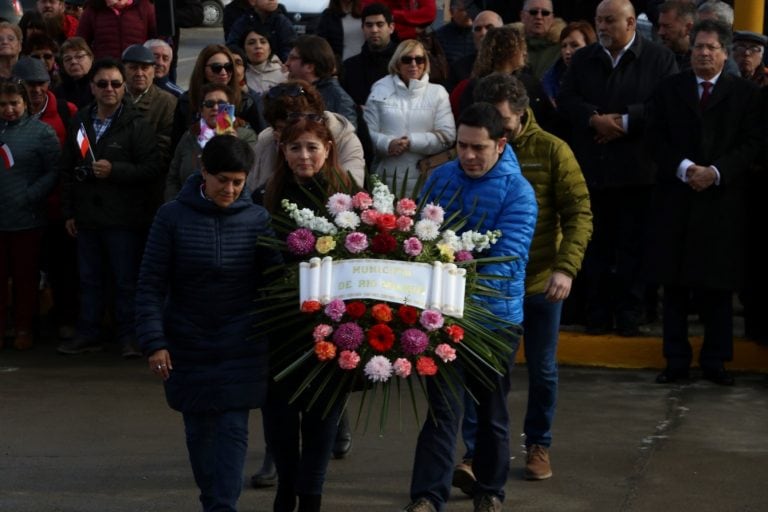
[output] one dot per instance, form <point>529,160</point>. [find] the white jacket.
<point>262,77</point>
<point>420,111</point>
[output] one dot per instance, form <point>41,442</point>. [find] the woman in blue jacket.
<point>201,271</point>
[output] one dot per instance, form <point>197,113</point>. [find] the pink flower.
<point>335,309</point>
<point>338,203</point>
<point>321,332</point>
<point>348,336</point>
<point>406,207</point>
<point>402,367</point>
<point>413,341</point>
<point>464,256</point>
<point>445,352</point>
<point>362,201</point>
<point>378,369</point>
<point>412,246</point>
<point>348,360</point>
<point>431,319</point>
<point>404,223</point>
<point>356,242</point>
<point>433,212</point>
<point>369,217</point>
<point>301,241</point>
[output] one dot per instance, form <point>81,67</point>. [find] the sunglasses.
<point>285,90</point>
<point>406,59</point>
<point>213,103</point>
<point>480,28</point>
<point>216,67</point>
<point>294,117</point>
<point>543,12</point>
<point>46,56</point>
<point>103,84</point>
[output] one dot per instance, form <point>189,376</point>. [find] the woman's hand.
<point>160,363</point>
<point>399,146</point>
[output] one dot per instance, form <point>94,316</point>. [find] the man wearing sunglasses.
<point>462,67</point>
<point>110,168</point>
<point>543,49</point>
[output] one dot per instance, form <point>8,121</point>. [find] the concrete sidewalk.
<point>93,433</point>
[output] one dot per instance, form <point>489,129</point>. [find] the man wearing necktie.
<point>704,132</point>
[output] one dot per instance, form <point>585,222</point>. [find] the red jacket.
<point>69,26</point>
<point>109,34</point>
<point>408,14</point>
<point>51,117</point>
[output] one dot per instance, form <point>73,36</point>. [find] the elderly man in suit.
<point>705,132</point>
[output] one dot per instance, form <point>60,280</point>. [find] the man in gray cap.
<point>748,51</point>
<point>156,105</point>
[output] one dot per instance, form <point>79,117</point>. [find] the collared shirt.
<point>615,61</point>
<point>100,127</point>
<point>712,80</point>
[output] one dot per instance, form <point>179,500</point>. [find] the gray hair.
<point>721,10</point>
<point>151,43</point>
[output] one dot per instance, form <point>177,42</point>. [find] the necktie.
<point>705,93</point>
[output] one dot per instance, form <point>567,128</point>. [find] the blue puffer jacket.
<point>505,201</point>
<point>200,274</point>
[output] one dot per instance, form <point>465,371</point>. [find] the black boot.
<point>343,442</point>
<point>285,500</point>
<point>267,475</point>
<point>309,502</point>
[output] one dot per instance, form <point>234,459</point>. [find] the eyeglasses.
<point>711,47</point>
<point>213,103</point>
<point>543,12</point>
<point>285,90</point>
<point>76,57</point>
<point>407,59</point>
<point>46,56</point>
<point>294,117</point>
<point>752,49</point>
<point>103,84</point>
<point>480,28</point>
<point>217,68</point>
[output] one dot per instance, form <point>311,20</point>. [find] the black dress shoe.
<point>343,442</point>
<point>719,376</point>
<point>670,375</point>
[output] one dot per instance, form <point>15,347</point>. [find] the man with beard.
<point>60,26</point>
<point>676,19</point>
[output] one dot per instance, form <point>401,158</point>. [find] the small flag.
<point>82,141</point>
<point>6,155</point>
<point>225,120</point>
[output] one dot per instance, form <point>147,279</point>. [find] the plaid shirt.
<point>100,127</point>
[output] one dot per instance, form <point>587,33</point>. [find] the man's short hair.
<point>498,87</point>
<point>483,115</point>
<point>316,50</point>
<point>375,9</point>
<point>227,153</point>
<point>721,10</point>
<point>106,63</point>
<point>723,31</point>
<point>681,8</point>
<point>291,96</point>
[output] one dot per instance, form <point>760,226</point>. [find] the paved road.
<point>192,41</point>
<point>93,433</point>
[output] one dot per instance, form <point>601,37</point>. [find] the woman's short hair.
<point>500,45</point>
<point>579,26</point>
<point>210,87</point>
<point>291,96</point>
<point>227,153</point>
<point>13,28</point>
<point>257,27</point>
<point>404,47</point>
<point>76,44</point>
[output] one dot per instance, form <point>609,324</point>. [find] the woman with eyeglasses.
<point>300,435</point>
<point>409,118</point>
<point>111,26</point>
<point>10,48</point>
<point>186,159</point>
<point>76,60</point>
<point>264,68</point>
<point>29,156</point>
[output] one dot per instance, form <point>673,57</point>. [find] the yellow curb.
<point>612,351</point>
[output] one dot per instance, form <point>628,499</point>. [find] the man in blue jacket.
<point>495,195</point>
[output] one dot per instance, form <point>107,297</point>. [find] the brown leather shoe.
<point>537,463</point>
<point>464,477</point>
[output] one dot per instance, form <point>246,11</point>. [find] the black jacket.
<point>364,69</point>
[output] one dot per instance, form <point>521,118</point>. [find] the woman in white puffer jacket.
<point>408,117</point>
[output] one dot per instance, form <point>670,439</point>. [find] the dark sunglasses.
<point>543,12</point>
<point>406,59</point>
<point>103,84</point>
<point>285,90</point>
<point>46,56</point>
<point>480,28</point>
<point>294,117</point>
<point>213,103</point>
<point>216,67</point>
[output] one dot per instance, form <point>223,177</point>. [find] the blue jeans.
<point>217,444</point>
<point>433,461</point>
<point>121,250</point>
<point>542,329</point>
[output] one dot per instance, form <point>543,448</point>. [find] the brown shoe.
<point>23,341</point>
<point>537,463</point>
<point>464,477</point>
<point>487,503</point>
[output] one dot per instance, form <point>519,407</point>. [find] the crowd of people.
<point>621,156</point>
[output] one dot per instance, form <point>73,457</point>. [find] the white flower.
<point>426,230</point>
<point>378,369</point>
<point>338,203</point>
<point>451,240</point>
<point>468,241</point>
<point>323,225</point>
<point>383,199</point>
<point>347,220</point>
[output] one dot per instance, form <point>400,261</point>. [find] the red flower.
<point>455,332</point>
<point>383,243</point>
<point>386,222</point>
<point>325,351</point>
<point>381,313</point>
<point>311,306</point>
<point>356,309</point>
<point>381,337</point>
<point>409,315</point>
<point>426,366</point>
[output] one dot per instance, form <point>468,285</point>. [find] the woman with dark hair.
<point>575,35</point>
<point>76,59</point>
<point>340,25</point>
<point>214,367</point>
<point>29,157</point>
<point>111,26</point>
<point>250,100</point>
<point>32,23</point>
<point>300,437</point>
<point>45,49</point>
<point>263,69</point>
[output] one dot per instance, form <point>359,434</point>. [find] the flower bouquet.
<point>386,298</point>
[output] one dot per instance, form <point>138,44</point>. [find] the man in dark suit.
<point>705,132</point>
